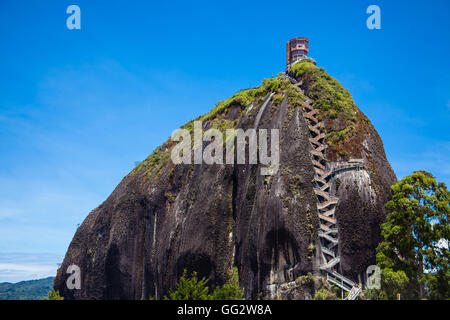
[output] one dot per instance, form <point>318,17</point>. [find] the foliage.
<point>414,254</point>
<point>169,196</point>
<point>327,93</point>
<point>194,289</point>
<point>155,162</point>
<point>306,280</point>
<point>223,124</point>
<point>230,290</point>
<point>393,283</point>
<point>277,99</point>
<point>324,294</point>
<point>374,294</point>
<point>295,98</point>
<point>336,136</point>
<point>26,290</point>
<point>331,99</point>
<point>160,157</point>
<point>242,98</point>
<point>190,288</point>
<point>53,295</point>
<point>311,282</point>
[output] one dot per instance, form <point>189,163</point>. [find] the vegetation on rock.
<point>242,98</point>
<point>279,85</point>
<point>327,93</point>
<point>335,105</point>
<point>324,294</point>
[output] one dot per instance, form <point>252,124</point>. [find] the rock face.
<point>163,218</point>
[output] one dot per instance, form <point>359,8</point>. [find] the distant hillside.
<point>26,290</point>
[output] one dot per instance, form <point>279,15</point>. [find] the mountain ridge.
<point>26,290</point>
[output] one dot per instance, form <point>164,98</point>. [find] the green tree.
<point>190,288</point>
<point>53,295</point>
<point>230,290</point>
<point>413,256</point>
<point>194,289</point>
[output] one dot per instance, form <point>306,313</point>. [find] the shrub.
<point>324,294</point>
<point>194,289</point>
<point>54,295</point>
<point>190,289</point>
<point>306,280</point>
<point>230,290</point>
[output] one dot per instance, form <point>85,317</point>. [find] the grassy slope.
<point>336,105</point>
<point>334,102</point>
<point>160,157</point>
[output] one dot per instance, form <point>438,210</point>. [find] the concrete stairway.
<point>326,203</point>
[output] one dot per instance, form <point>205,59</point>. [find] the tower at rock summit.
<point>324,175</point>
<point>297,49</point>
<point>318,216</point>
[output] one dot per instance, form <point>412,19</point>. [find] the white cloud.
<point>16,267</point>
<point>15,272</point>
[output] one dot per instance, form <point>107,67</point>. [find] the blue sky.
<point>79,107</point>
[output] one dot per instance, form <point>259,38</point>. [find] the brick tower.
<point>296,49</point>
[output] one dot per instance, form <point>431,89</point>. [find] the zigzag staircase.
<point>326,204</point>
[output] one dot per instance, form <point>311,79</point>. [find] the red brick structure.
<point>296,49</point>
